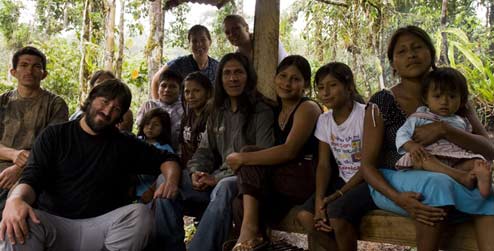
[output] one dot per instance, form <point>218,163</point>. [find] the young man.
<point>79,175</point>
<point>170,87</point>
<point>24,113</point>
<point>237,32</point>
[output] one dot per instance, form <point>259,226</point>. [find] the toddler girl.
<point>445,93</point>
<point>154,129</point>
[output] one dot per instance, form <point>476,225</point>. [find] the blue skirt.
<point>437,190</point>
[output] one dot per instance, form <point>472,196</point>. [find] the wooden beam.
<point>266,36</point>
<point>385,227</point>
<point>338,3</point>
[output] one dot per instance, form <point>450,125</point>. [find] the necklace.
<point>285,116</point>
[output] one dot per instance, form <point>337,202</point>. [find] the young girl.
<point>198,91</point>
<point>340,196</point>
<point>445,92</point>
<point>155,130</point>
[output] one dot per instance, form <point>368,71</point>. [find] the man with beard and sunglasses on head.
<point>78,177</point>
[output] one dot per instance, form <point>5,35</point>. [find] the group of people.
<point>210,145</point>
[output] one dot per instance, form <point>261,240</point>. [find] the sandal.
<point>255,244</point>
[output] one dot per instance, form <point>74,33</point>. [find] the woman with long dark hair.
<point>273,180</point>
<point>430,199</point>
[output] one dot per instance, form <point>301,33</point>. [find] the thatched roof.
<point>170,4</point>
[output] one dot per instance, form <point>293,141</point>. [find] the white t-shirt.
<point>345,139</point>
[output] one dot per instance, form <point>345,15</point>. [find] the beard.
<point>99,126</point>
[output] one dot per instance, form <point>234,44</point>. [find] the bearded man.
<point>78,175</point>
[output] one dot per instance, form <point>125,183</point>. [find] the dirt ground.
<point>300,240</point>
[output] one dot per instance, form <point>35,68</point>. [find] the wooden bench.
<point>384,227</point>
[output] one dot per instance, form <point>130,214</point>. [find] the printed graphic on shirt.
<point>347,151</point>
<point>188,135</point>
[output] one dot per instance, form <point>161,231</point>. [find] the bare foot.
<point>483,173</point>
<point>467,179</point>
<point>248,232</point>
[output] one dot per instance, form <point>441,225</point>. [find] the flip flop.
<point>255,244</point>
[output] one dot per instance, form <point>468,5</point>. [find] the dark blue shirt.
<point>186,64</point>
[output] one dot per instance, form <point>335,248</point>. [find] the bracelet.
<point>339,192</point>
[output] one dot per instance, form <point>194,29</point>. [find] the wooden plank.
<point>382,226</point>
<point>385,227</point>
<point>266,34</point>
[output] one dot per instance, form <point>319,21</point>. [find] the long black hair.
<point>342,73</point>
<point>246,100</point>
<point>416,31</point>
<point>201,120</point>
<point>165,135</point>
<point>300,63</point>
<point>202,80</point>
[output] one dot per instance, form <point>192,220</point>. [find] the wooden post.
<point>266,36</point>
<point>85,39</point>
<point>154,44</point>
<point>109,56</point>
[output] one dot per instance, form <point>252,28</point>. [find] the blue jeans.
<point>216,222</point>
<point>169,213</point>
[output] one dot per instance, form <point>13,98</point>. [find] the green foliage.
<point>176,34</point>
<point>55,16</point>
<point>4,87</point>
<point>476,67</point>
<point>355,32</point>
<point>221,46</point>
<point>138,9</point>
<point>346,33</point>
<point>9,16</point>
<point>15,34</point>
<point>135,74</point>
<point>62,66</point>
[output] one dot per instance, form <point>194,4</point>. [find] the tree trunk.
<point>121,41</point>
<point>490,25</point>
<point>85,38</point>
<point>65,14</point>
<point>154,45</point>
<point>318,41</point>
<point>377,44</point>
<point>443,58</point>
<point>109,34</point>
